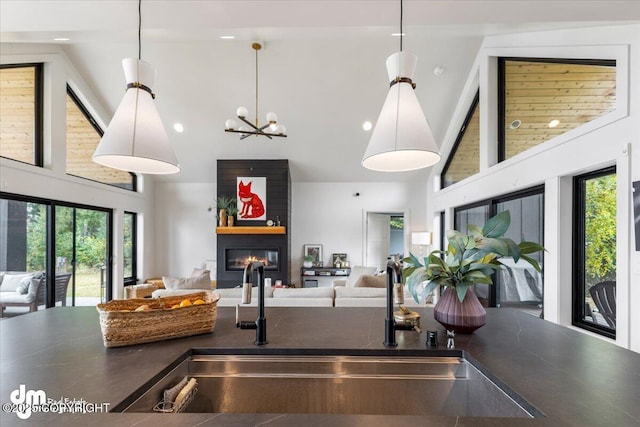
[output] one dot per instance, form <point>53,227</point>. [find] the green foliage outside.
<point>90,238</point>
<point>397,222</point>
<point>600,228</point>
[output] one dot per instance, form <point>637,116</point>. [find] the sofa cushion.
<point>325,292</point>
<point>360,292</point>
<point>13,297</point>
<point>203,281</point>
<point>10,282</point>
<point>356,272</point>
<point>368,281</point>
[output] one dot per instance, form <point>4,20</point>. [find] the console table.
<point>314,277</point>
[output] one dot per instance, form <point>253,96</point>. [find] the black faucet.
<point>394,275</point>
<point>261,323</point>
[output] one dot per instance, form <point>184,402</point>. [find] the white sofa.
<point>360,289</point>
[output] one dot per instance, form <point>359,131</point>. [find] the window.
<point>464,160</point>
<point>540,99</point>
<point>130,251</point>
<point>517,284</point>
<point>83,136</point>
<point>21,113</point>
<point>595,252</point>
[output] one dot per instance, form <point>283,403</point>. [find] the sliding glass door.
<point>82,250</point>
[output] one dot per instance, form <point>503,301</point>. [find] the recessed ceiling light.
<point>553,123</point>
<point>227,37</point>
<point>367,125</point>
<point>438,70</point>
<point>398,34</point>
<point>178,127</point>
<point>61,39</point>
<point>515,124</point>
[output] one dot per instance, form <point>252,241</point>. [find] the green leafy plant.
<point>232,208</point>
<point>223,202</point>
<point>469,259</point>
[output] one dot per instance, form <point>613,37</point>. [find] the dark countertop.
<point>574,379</point>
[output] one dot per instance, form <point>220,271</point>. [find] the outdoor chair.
<point>604,297</point>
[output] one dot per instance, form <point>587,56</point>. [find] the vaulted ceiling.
<point>322,69</point>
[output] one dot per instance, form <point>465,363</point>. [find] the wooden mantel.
<point>250,230</point>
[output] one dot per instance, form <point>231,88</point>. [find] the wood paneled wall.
<point>17,113</point>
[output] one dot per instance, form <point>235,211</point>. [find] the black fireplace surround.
<point>277,208</point>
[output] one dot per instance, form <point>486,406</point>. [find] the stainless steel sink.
<point>373,385</point>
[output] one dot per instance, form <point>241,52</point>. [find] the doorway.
<point>385,238</point>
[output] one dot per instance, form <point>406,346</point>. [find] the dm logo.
<point>25,400</point>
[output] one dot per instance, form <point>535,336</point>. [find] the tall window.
<point>595,252</point>
<point>21,113</point>
<point>464,160</point>
<point>83,136</point>
<point>540,99</point>
<point>130,251</point>
<point>517,284</point>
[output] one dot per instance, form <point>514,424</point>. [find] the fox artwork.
<point>252,205</point>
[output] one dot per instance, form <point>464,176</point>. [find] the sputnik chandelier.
<point>271,129</point>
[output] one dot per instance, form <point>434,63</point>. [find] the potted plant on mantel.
<point>223,203</point>
<point>232,211</point>
<point>469,259</point>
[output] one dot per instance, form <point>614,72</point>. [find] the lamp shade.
<point>421,238</point>
<point>402,139</point>
<point>136,140</point>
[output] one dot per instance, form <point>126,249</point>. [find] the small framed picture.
<point>315,252</point>
<point>338,259</point>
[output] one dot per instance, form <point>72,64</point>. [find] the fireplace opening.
<point>238,259</point>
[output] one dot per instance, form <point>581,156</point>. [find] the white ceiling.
<point>322,69</point>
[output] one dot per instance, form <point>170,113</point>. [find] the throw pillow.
<point>199,282</point>
<point>10,282</point>
<point>199,272</point>
<point>23,286</point>
<point>367,281</point>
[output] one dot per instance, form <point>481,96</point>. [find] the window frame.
<point>578,293</point>
<point>502,98</point>
<point>38,101</point>
<point>133,279</point>
<point>458,141</point>
<point>78,102</point>
<point>493,210</point>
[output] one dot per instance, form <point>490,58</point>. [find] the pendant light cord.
<point>401,33</point>
<point>140,29</point>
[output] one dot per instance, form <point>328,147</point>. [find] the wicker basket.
<point>121,325</point>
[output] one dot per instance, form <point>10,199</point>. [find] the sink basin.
<point>307,384</point>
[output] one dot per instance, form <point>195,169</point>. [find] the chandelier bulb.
<point>272,117</point>
<point>242,112</point>
<point>230,124</point>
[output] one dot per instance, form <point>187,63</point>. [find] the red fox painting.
<point>252,205</point>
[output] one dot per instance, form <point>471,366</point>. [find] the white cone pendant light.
<point>136,140</point>
<point>402,139</point>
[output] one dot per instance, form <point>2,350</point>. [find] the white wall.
<point>330,214</point>
<point>185,228</point>
<point>610,140</point>
<point>324,213</point>
<point>51,181</point>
